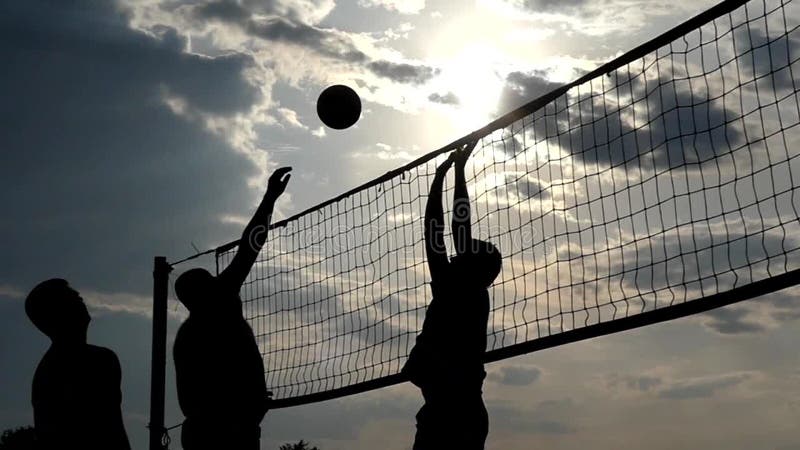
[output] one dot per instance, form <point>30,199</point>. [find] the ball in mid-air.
<point>339,107</point>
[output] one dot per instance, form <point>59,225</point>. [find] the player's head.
<point>58,311</point>
<point>480,264</point>
<point>193,286</point>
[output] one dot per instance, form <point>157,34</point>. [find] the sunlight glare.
<point>473,76</point>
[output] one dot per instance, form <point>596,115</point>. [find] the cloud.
<point>11,292</point>
<point>401,6</point>
<point>516,375</point>
<point>522,87</point>
<point>308,11</point>
<point>549,417</point>
<point>768,58</point>
<point>757,315</point>
<point>401,32</point>
<point>611,133</point>
<point>549,5</point>
<point>666,387</point>
<point>526,187</point>
<point>403,72</point>
<point>223,10</point>
<point>731,320</point>
<point>640,383</point>
<point>319,132</point>
<point>446,99</point>
<point>104,173</point>
<point>701,387</point>
<point>784,305</point>
<point>327,42</point>
<point>289,116</point>
<point>594,18</point>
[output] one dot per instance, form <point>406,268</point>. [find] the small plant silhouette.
<point>17,439</point>
<point>302,445</point>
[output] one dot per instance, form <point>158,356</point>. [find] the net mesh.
<point>663,181</point>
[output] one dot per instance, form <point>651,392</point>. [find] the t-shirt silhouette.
<point>452,342</point>
<point>77,399</point>
<point>219,367</point>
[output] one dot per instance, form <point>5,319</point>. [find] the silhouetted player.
<point>219,369</point>
<point>76,389</point>
<point>446,362</point>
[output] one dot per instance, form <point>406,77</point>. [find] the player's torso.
<point>222,348</point>
<point>76,390</point>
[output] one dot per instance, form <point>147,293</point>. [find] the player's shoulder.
<point>102,354</point>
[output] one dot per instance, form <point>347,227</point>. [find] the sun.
<point>474,55</point>
<point>472,75</point>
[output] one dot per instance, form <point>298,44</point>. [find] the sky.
<point>131,129</point>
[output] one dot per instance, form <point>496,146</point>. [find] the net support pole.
<point>161,270</point>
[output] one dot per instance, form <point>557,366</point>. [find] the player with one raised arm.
<point>447,361</point>
<point>219,369</point>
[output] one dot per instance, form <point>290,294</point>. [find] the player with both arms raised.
<point>447,361</point>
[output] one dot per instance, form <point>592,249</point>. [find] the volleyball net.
<point>660,185</point>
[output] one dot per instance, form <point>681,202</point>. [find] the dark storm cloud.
<point>516,375</point>
<point>324,41</point>
<point>446,99</point>
<point>100,174</point>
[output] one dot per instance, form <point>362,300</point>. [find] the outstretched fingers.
<point>279,180</point>
<point>279,173</point>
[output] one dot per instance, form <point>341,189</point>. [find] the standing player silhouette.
<point>447,361</point>
<point>76,388</point>
<point>219,370</point>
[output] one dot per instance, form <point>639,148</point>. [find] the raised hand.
<point>461,156</point>
<point>278,181</point>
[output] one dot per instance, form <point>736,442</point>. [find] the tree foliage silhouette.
<point>17,439</point>
<point>302,445</point>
